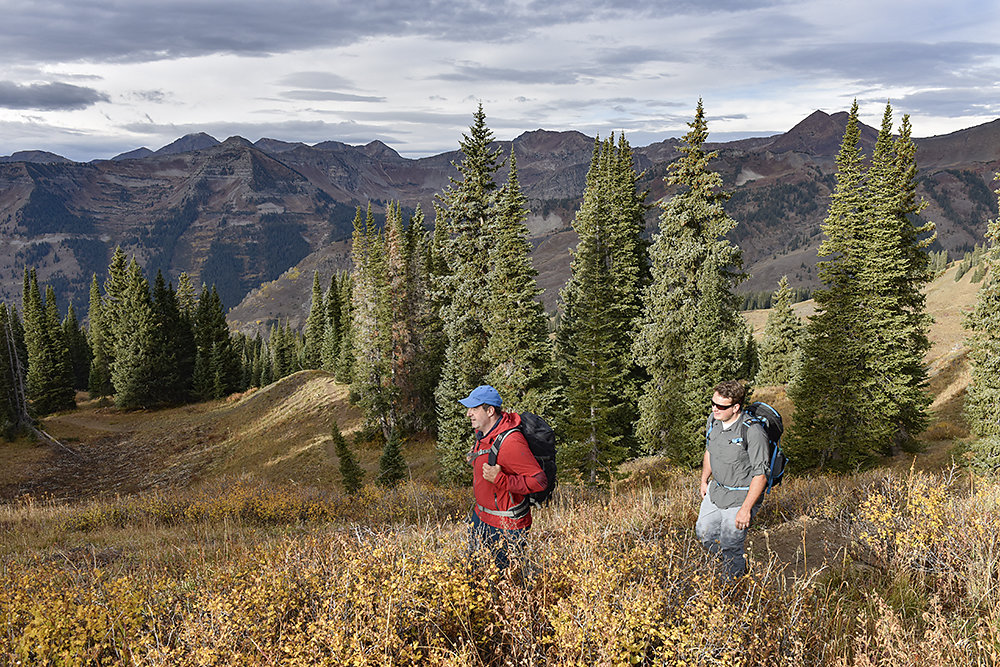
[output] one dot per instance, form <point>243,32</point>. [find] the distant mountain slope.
<point>239,215</point>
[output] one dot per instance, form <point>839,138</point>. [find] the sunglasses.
<point>722,407</point>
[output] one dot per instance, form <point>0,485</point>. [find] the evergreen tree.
<point>10,399</point>
<point>896,269</point>
<point>861,389</point>
<point>79,349</point>
<point>518,353</point>
<point>780,343</point>
<point>173,348</point>
<point>593,444</point>
<point>115,287</point>
<point>63,395</point>
<point>372,381</point>
<point>133,371</point>
<point>99,381</point>
<point>692,334</point>
<point>832,425</point>
<point>982,399</point>
<point>345,358</point>
<point>49,374</point>
<point>34,335</point>
<point>315,327</point>
<point>351,474</point>
<point>331,326</point>
<point>216,369</point>
<point>466,210</point>
<point>391,465</point>
<point>600,309</point>
<point>429,341</point>
<point>401,311</point>
<point>187,301</point>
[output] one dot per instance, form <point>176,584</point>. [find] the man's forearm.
<point>757,486</point>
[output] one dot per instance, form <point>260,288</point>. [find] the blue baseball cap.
<point>482,395</point>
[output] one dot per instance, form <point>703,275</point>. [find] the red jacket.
<point>519,475</point>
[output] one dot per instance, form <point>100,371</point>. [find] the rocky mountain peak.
<point>189,142</point>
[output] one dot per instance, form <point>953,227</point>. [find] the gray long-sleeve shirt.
<point>734,464</point>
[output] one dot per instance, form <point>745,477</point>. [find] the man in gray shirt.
<point>738,471</point>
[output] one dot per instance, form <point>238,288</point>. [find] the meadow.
<point>878,568</point>
<point>215,534</point>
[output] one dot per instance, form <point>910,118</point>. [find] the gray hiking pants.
<point>716,528</point>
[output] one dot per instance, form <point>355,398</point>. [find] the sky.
<point>89,79</point>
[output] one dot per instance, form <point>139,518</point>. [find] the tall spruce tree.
<point>330,349</point>
<point>691,334</point>
<point>217,368</point>
<point>429,341</point>
<point>402,314</point>
<point>982,399</point>
<point>861,387</point>
<point>372,326</point>
<point>315,326</point>
<point>99,382</point>
<point>79,349</point>
<point>896,269</point>
<point>832,425</point>
<point>173,346</point>
<point>518,353</point>
<point>781,340</point>
<point>49,379</point>
<point>466,208</point>
<point>115,287</point>
<point>133,371</point>
<point>345,357</point>
<point>600,307</point>
<point>10,398</point>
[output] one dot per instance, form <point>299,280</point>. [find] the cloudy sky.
<point>93,78</point>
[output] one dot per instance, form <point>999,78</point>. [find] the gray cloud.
<point>114,31</point>
<point>329,96</point>
<point>952,103</point>
<point>477,72</point>
<point>894,63</point>
<point>317,81</point>
<point>48,96</point>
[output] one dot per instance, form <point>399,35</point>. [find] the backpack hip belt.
<point>516,512</point>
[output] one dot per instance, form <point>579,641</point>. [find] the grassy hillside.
<point>216,534</point>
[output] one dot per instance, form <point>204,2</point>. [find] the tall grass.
<point>249,573</point>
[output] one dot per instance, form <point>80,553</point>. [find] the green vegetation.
<point>860,391</point>
<point>691,335</point>
<point>599,379</point>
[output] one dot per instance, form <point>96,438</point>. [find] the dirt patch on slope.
<point>278,433</point>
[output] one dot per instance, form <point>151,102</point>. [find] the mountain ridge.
<point>241,214</point>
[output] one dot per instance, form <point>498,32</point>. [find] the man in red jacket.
<point>502,512</point>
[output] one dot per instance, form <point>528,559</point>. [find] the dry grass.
<point>874,569</point>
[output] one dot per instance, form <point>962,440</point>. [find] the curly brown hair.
<point>734,390</point>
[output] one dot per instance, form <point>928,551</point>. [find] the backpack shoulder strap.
<point>497,441</point>
<point>745,429</point>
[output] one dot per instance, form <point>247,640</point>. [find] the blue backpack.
<point>770,421</point>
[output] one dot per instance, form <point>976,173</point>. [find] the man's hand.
<point>490,472</point>
<point>743,519</point>
<point>704,487</point>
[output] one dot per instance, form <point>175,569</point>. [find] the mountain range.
<point>256,219</point>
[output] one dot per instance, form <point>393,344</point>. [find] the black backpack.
<point>542,443</point>
<point>770,420</point>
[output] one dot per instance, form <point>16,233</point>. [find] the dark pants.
<point>504,544</point>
